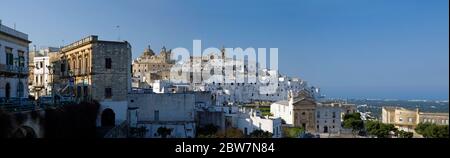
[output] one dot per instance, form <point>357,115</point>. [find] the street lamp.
<point>51,73</point>
<point>16,65</point>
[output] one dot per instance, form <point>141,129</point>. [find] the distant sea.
<point>374,105</point>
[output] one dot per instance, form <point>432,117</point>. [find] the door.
<point>7,91</point>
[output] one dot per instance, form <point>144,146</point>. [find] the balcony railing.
<point>13,69</point>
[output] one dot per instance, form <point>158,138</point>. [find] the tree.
<point>292,132</point>
<point>380,130</point>
<point>138,132</point>
<point>164,132</point>
<point>230,133</point>
<point>260,134</point>
<point>354,122</point>
<point>207,131</point>
<point>404,134</point>
<point>355,116</point>
<point>429,130</point>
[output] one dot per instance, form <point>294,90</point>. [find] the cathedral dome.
<point>148,52</point>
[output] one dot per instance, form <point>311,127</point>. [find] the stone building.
<point>13,63</point>
<point>407,120</point>
<point>92,69</point>
<point>298,111</point>
<point>150,67</point>
<point>97,70</point>
<point>328,117</point>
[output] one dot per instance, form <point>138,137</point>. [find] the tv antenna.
<point>118,32</point>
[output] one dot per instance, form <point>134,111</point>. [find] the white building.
<point>165,86</point>
<point>41,85</point>
<point>249,120</point>
<point>228,90</point>
<point>284,110</point>
<point>175,111</point>
<point>13,63</point>
<point>250,92</point>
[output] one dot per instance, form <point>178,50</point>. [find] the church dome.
<point>148,52</point>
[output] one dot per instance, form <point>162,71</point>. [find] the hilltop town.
<point>122,97</point>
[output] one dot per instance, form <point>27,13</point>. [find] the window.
<point>410,119</point>
<point>21,55</point>
<point>108,63</point>
<point>20,89</point>
<point>334,114</point>
<point>63,67</point>
<point>9,56</point>
<point>78,91</point>
<point>400,119</point>
<point>156,115</point>
<point>85,91</point>
<point>86,65</point>
<point>318,114</point>
<point>108,93</point>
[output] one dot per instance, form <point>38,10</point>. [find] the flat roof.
<point>12,32</point>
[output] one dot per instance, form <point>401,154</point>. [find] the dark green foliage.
<point>260,134</point>
<point>207,131</point>
<point>429,130</point>
<point>164,132</point>
<point>354,122</point>
<point>292,132</point>
<point>404,134</point>
<point>380,130</point>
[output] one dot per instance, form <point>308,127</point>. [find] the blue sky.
<point>349,48</point>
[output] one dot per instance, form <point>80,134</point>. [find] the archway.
<point>325,129</point>
<point>24,132</point>
<point>29,132</point>
<point>108,118</point>
<point>7,90</point>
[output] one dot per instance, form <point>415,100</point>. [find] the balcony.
<point>13,70</point>
<point>81,72</point>
<point>75,72</point>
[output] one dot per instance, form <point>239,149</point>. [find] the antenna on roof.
<point>14,26</point>
<point>118,32</point>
